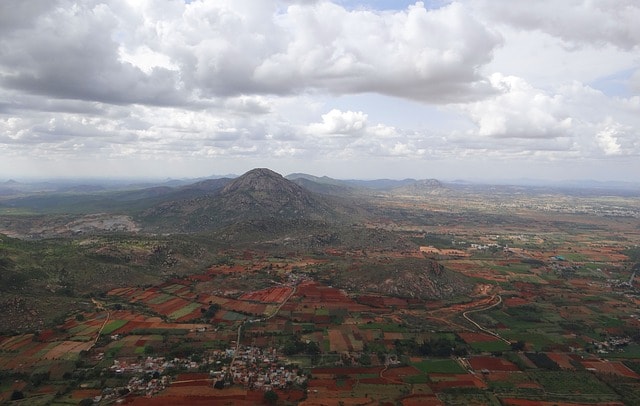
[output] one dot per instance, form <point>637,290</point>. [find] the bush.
<point>270,397</point>
<point>17,395</point>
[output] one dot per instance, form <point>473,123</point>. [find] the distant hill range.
<point>331,186</point>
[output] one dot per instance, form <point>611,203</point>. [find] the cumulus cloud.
<point>70,53</point>
<point>608,141</point>
<point>165,54</point>
<point>336,122</point>
<point>519,111</point>
<point>429,55</point>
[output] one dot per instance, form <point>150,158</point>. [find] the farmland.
<point>530,304</point>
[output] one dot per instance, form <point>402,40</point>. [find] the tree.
<point>365,359</point>
<point>518,345</point>
<point>271,397</point>
<point>17,395</point>
<point>211,311</point>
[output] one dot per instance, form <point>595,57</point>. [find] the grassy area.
<point>442,366</point>
<point>113,326</point>
<point>570,382</point>
<point>630,351</point>
<point>164,297</point>
<point>490,346</point>
<point>173,288</point>
<point>380,392</point>
<point>416,379</point>
<point>184,311</point>
<point>386,327</point>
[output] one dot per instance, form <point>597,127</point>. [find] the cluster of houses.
<point>257,368</point>
<point>254,368</point>
<point>611,344</point>
<point>138,385</point>
<point>150,365</point>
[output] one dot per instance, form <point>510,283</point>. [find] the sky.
<point>469,89</point>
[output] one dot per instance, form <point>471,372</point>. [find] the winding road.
<point>466,316</point>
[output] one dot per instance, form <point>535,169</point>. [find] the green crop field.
<point>442,366</point>
<point>490,346</point>
<point>570,382</point>
<point>113,326</point>
<point>184,311</point>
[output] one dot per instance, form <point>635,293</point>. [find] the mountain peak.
<point>259,179</point>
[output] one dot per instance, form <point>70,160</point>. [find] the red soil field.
<point>445,381</point>
<point>316,400</point>
<point>201,396</point>
<point>397,374</point>
<point>85,393</point>
<point>492,364</point>
<point>199,278</point>
<point>34,350</point>
<point>323,383</point>
<point>191,316</point>
<point>382,301</point>
<point>169,306</point>
<point>270,295</point>
<point>611,367</point>
<point>563,360</point>
<point>515,301</point>
<point>15,343</point>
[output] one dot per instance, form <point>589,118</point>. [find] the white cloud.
<point>634,82</point>
<point>608,141</point>
<point>336,122</point>
<point>519,111</point>
<point>429,55</point>
<point>138,52</point>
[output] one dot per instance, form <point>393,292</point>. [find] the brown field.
<point>442,382</point>
<point>563,360</point>
<point>421,400</point>
<point>610,367</point>
<point>269,295</point>
<point>491,363</point>
<point>399,374</point>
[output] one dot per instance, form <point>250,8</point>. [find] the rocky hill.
<point>409,277</point>
<point>259,195</point>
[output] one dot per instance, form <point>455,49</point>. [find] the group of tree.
<point>295,346</point>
